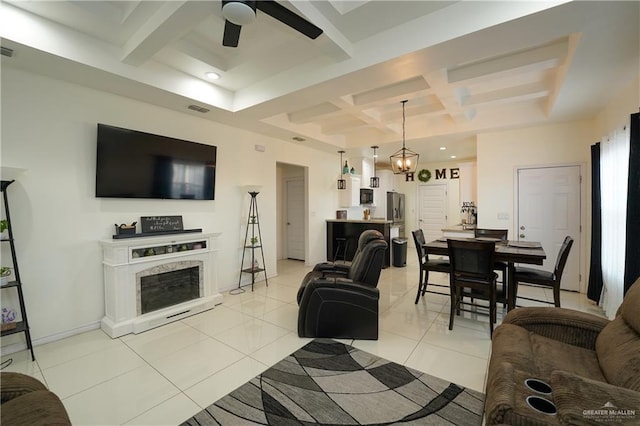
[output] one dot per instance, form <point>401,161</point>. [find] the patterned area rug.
<point>326,382</point>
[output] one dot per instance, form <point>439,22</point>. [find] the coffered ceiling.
<point>464,67</point>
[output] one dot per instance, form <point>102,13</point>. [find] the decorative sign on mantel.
<point>161,223</point>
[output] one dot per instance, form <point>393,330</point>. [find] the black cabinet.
<point>350,231</point>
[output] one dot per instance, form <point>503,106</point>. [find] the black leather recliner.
<point>341,301</point>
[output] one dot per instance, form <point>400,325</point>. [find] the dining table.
<point>510,252</point>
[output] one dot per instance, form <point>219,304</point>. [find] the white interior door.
<point>548,211</point>
<point>432,210</point>
<point>295,219</point>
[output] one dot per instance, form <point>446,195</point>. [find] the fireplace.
<point>151,281</point>
<point>167,285</point>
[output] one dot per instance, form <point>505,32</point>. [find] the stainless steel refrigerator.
<point>395,210</point>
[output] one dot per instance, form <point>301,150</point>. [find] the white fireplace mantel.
<point>124,258</point>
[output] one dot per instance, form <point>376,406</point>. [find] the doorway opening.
<point>292,199</point>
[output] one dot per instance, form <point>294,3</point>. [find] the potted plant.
<point>5,272</point>
<point>4,225</point>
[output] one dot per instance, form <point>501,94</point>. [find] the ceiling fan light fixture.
<point>239,12</point>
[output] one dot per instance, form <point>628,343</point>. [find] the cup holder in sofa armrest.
<point>539,386</point>
<point>542,405</point>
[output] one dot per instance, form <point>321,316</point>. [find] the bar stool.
<point>342,244</point>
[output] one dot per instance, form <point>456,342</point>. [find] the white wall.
<point>618,110</point>
<point>500,153</point>
<point>49,129</point>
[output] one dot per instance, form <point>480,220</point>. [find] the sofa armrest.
<point>14,385</point>
<point>37,408</point>
<point>564,325</point>
<point>333,268</point>
<point>331,287</point>
<point>584,401</point>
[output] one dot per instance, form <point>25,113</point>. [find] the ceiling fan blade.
<point>289,18</point>
<point>231,34</point>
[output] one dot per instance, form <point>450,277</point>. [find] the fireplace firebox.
<point>169,288</point>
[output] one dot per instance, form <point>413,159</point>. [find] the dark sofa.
<point>591,364</point>
<point>26,401</point>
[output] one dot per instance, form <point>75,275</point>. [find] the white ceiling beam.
<point>202,55</point>
<point>332,42</point>
<point>170,22</point>
<point>338,127</point>
<point>508,95</point>
<point>431,108</point>
<point>312,113</point>
<point>129,9</point>
<point>390,91</point>
<point>345,6</point>
<point>542,57</point>
<point>447,95</point>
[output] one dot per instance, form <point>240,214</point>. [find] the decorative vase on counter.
<point>345,169</point>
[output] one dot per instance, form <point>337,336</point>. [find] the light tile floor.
<point>165,375</point>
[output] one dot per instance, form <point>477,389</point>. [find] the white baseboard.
<point>17,347</point>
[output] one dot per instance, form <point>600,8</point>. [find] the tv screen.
<point>132,164</point>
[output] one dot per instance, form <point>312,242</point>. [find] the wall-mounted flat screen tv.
<point>133,164</point>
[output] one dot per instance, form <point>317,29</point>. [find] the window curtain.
<point>614,169</point>
<point>594,289</point>
<point>632,266</point>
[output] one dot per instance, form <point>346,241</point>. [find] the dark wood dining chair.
<point>502,267</point>
<point>472,275</point>
<point>427,265</point>
<point>541,278</point>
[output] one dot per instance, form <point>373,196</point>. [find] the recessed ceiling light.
<point>453,156</point>
<point>442,148</point>
<point>212,75</point>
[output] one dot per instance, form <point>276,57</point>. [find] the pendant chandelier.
<point>404,161</point>
<point>375,180</point>
<point>342,184</point>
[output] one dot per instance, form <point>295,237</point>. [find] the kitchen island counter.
<point>458,231</point>
<point>349,230</point>
<point>360,220</point>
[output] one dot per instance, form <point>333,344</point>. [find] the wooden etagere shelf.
<point>252,242</point>
<point>16,284</point>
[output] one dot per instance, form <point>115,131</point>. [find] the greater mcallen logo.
<point>609,413</point>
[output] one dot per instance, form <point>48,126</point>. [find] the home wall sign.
<point>425,175</point>
<point>454,173</point>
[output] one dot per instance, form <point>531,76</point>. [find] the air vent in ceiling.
<point>5,51</point>
<point>198,108</point>
<point>298,139</point>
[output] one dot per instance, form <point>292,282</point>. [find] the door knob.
<point>288,223</point>
<point>522,227</point>
<point>521,235</point>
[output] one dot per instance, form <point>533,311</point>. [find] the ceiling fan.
<point>242,12</point>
